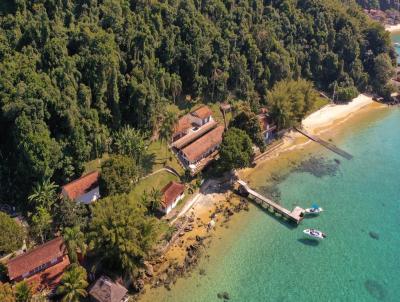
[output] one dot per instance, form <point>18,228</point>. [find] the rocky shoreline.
<point>193,241</point>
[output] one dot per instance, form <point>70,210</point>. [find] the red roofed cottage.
<point>202,115</point>
<point>172,193</point>
<point>42,267</point>
<point>84,189</point>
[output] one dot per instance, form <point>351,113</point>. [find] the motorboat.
<point>315,233</point>
<point>396,44</point>
<point>314,210</point>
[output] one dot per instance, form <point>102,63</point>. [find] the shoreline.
<point>227,204</point>
<point>392,28</point>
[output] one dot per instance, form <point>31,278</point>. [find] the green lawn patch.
<point>95,165</point>
<point>161,157</point>
<point>157,181</point>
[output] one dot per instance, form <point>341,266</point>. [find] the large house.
<point>106,290</point>
<point>191,122</point>
<point>203,147</point>
<point>41,267</point>
<point>84,189</point>
<point>196,139</point>
<point>172,193</point>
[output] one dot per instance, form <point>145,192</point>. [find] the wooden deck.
<point>296,215</point>
<point>327,145</point>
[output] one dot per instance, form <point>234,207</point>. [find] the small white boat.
<point>314,233</point>
<point>397,44</point>
<point>313,211</point>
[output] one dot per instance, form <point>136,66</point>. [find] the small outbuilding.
<point>106,290</point>
<point>84,189</point>
<point>172,193</point>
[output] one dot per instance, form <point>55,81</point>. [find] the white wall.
<point>173,205</point>
<point>201,122</point>
<point>90,196</point>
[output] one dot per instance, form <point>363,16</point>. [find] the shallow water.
<point>261,258</point>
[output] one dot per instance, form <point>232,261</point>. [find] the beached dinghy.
<point>314,210</point>
<point>314,233</point>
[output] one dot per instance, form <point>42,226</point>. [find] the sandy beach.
<point>392,28</point>
<point>330,114</point>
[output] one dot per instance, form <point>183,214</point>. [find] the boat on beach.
<point>315,233</point>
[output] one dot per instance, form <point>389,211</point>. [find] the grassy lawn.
<point>157,181</point>
<point>161,156</point>
<point>95,164</point>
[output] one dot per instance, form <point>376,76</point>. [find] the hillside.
<point>73,72</point>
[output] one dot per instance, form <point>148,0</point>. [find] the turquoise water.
<point>264,259</point>
<point>396,38</point>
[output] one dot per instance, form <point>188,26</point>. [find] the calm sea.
<point>260,258</point>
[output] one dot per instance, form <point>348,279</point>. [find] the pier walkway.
<point>327,145</point>
<point>296,215</point>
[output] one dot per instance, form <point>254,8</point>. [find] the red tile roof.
<point>202,112</point>
<point>38,256</point>
<point>183,124</point>
<point>50,277</point>
<point>81,185</point>
<point>106,290</point>
<point>189,138</point>
<point>170,192</point>
<point>195,150</point>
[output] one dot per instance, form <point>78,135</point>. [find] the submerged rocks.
<point>375,289</point>
<point>374,235</point>
<point>319,166</point>
<point>223,295</point>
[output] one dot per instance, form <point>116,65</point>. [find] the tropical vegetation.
<point>73,284</point>
<point>12,234</point>
<point>74,75</point>
<point>236,149</point>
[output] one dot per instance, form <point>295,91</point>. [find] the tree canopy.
<point>12,234</point>
<point>118,175</point>
<point>121,233</point>
<point>236,149</point>
<point>248,121</point>
<point>290,101</point>
<point>72,73</point>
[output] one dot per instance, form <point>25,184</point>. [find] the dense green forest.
<point>72,73</point>
<point>381,4</point>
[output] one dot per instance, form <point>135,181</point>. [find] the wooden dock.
<point>295,216</point>
<point>327,145</point>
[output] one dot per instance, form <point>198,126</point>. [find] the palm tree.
<point>167,128</point>
<point>155,199</point>
<point>73,284</point>
<point>23,292</point>
<point>74,240</point>
<point>44,194</point>
<point>175,85</point>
